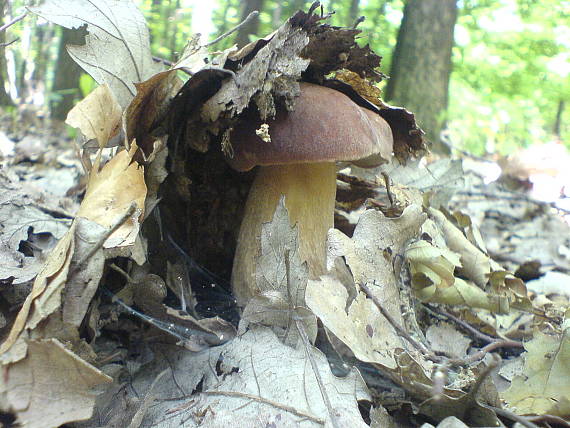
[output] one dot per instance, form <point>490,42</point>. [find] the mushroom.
<point>298,161</point>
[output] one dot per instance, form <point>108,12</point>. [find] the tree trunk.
<point>252,26</point>
<point>353,12</point>
<point>558,120</point>
<point>421,64</point>
<point>67,73</point>
<point>5,99</point>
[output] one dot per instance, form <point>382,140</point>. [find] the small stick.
<point>162,60</point>
<point>268,402</point>
<point>485,350</point>
<point>510,415</point>
<point>307,344</point>
<point>5,45</point>
<point>463,324</point>
<point>149,398</point>
<point>395,325</point>
<point>13,21</point>
<point>233,30</point>
<point>358,21</point>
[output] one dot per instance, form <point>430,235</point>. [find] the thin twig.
<point>13,21</point>
<point>510,415</point>
<point>358,21</point>
<point>463,324</point>
<point>420,347</point>
<point>5,45</point>
<point>308,346</point>
<point>303,334</point>
<point>149,398</point>
<point>233,30</point>
<point>485,350</point>
<point>104,237</point>
<point>268,402</point>
<point>122,272</point>
<point>163,61</point>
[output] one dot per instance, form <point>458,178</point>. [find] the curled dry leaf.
<point>97,116</point>
<point>154,96</point>
<point>48,285</point>
<point>476,265</point>
<point>433,280</point>
<point>110,193</point>
<point>505,292</point>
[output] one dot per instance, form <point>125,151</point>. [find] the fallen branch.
<point>403,333</point>
<point>233,30</point>
<point>13,21</point>
<point>268,402</point>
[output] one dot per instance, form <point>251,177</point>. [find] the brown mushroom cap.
<point>325,126</point>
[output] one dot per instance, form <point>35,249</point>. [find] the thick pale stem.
<point>310,191</point>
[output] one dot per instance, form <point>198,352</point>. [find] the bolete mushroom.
<point>298,160</point>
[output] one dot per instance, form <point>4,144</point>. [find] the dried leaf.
<point>18,218</point>
<point>48,286</point>
<point>82,285</point>
<point>50,388</point>
<point>258,381</point>
<point>433,280</point>
<point>444,338</point>
<point>476,265</point>
<point>369,254</point>
<point>543,388</point>
<point>117,48</point>
<point>97,116</point>
<point>281,280</point>
<point>110,193</point>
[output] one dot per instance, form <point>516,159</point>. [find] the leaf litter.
<point>413,305</point>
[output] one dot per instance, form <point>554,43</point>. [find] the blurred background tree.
<point>421,63</point>
<point>508,87</point>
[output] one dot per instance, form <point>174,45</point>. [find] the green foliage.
<point>511,59</point>
<point>511,69</point>
<point>170,23</point>
<point>86,84</point>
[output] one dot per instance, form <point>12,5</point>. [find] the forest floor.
<point>42,185</point>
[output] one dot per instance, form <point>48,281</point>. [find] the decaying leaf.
<point>476,265</point>
<point>267,72</point>
<point>281,280</point>
<point>49,388</point>
<point>444,338</point>
<point>117,48</point>
<point>370,255</point>
<point>257,381</point>
<point>154,96</point>
<point>110,193</point>
<point>48,285</point>
<point>543,387</point>
<point>433,280</point>
<point>97,116</point>
<point>19,218</point>
<point>505,290</point>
